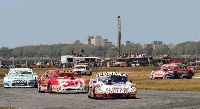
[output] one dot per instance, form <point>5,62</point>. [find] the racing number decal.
<point>62,71</point>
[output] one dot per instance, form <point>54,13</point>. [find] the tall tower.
<point>119,34</point>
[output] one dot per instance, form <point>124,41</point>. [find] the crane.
<point>119,35</point>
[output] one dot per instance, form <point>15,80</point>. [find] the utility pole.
<point>119,35</point>
<point>195,36</point>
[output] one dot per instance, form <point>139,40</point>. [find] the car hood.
<point>67,82</point>
<point>20,77</point>
<point>78,69</point>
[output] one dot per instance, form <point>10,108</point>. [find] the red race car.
<point>62,81</point>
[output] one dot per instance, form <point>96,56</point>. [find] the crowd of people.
<point>130,55</point>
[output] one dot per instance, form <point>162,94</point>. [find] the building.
<point>171,46</point>
<point>88,40</point>
<point>145,45</point>
<point>156,42</point>
<point>97,41</point>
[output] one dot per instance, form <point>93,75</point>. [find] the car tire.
<point>94,97</point>
<point>176,76</point>
<point>90,73</point>
<point>89,94</point>
<point>36,83</point>
<point>189,75</point>
<point>50,88</point>
<point>38,87</point>
<point>86,87</point>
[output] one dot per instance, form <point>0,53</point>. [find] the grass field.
<point>8,108</point>
<point>140,76</point>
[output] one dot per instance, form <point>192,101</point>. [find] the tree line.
<point>188,48</point>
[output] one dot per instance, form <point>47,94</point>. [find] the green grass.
<point>140,76</point>
<point>9,108</point>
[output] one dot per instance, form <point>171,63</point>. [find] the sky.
<point>33,22</point>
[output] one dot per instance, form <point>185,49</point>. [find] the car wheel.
<point>36,83</point>
<point>38,87</point>
<point>189,75</point>
<point>176,76</point>
<point>50,88</point>
<point>87,87</point>
<point>89,94</point>
<point>94,95</point>
<point>90,73</point>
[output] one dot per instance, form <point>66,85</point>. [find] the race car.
<point>111,85</point>
<point>62,81</point>
<point>83,69</point>
<point>174,71</point>
<point>20,77</point>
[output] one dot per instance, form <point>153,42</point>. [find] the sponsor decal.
<point>120,90</point>
<point>63,71</point>
<point>70,83</point>
<point>116,88</point>
<point>112,73</point>
<point>133,90</point>
<point>19,81</point>
<point>116,91</point>
<point>98,89</point>
<point>55,88</point>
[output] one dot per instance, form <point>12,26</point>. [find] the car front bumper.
<point>29,83</point>
<point>115,95</point>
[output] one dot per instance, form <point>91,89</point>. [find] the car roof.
<point>16,70</point>
<point>20,68</point>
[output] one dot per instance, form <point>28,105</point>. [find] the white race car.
<point>111,85</point>
<point>83,69</point>
<point>20,77</point>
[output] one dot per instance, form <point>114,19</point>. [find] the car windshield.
<point>79,67</point>
<point>119,78</point>
<point>167,67</point>
<point>113,79</point>
<point>64,74</point>
<point>27,73</point>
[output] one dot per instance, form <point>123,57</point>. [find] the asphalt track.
<point>29,98</point>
